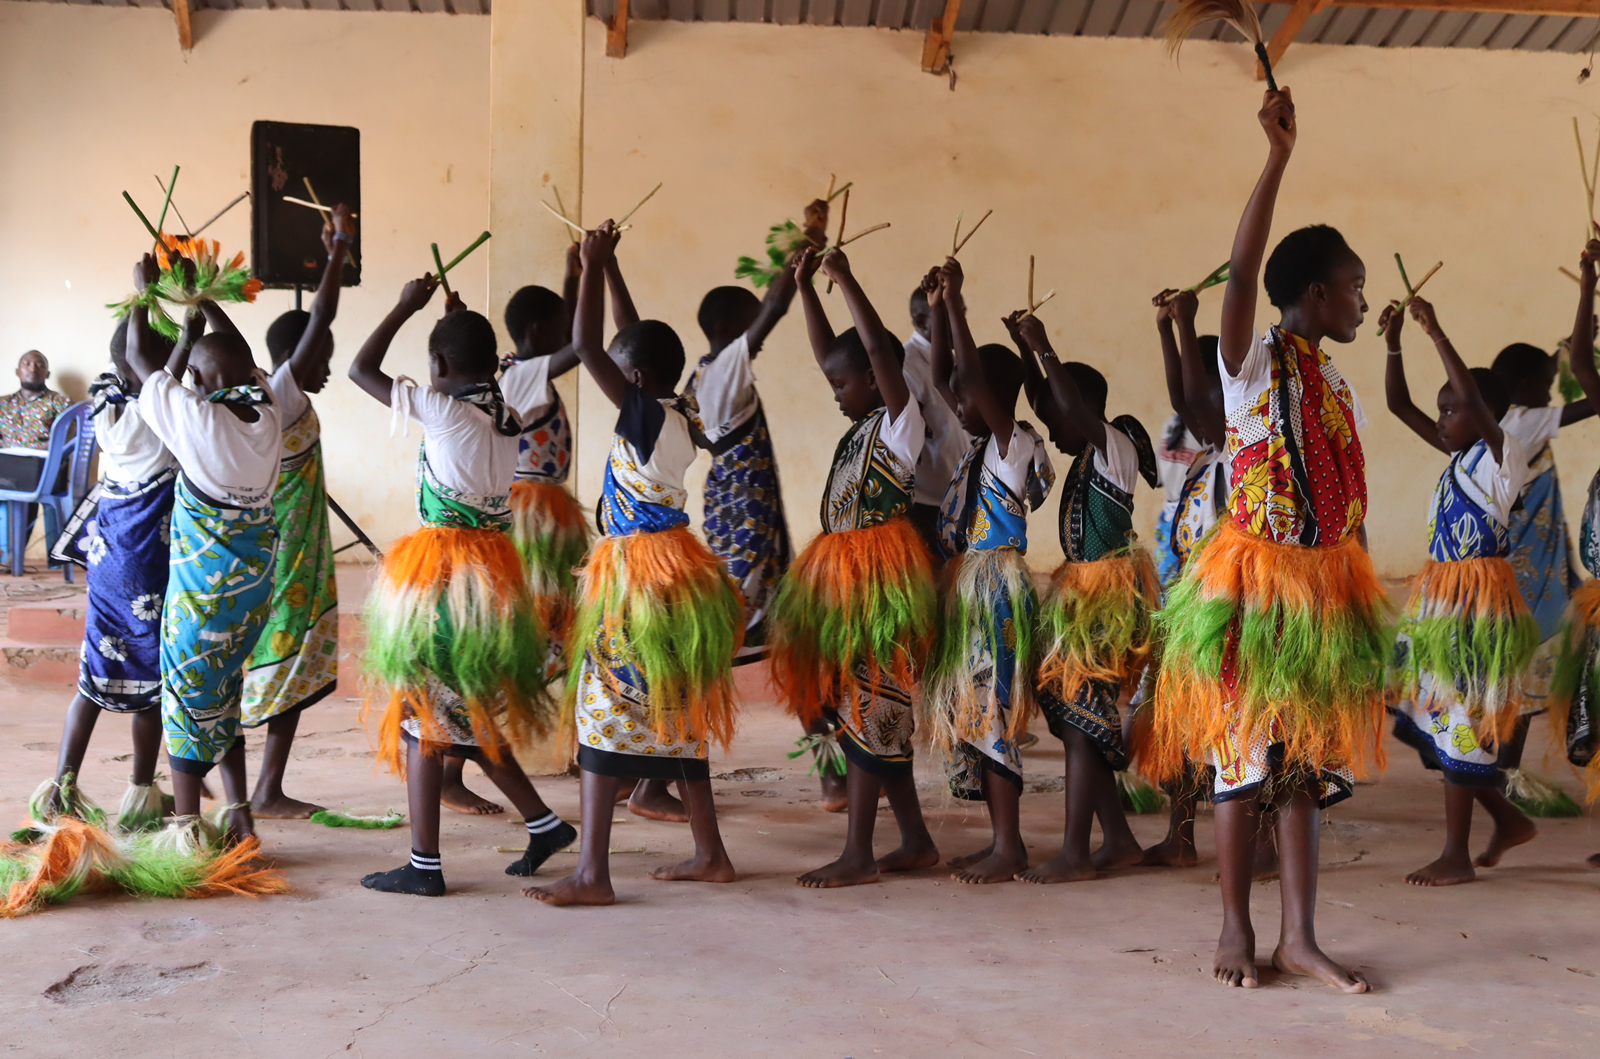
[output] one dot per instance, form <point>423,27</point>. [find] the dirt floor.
<point>916,966</point>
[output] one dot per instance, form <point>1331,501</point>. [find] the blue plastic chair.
<point>72,446</point>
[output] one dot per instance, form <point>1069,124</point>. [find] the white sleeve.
<point>526,387</point>
<point>287,394</point>
<point>166,407</point>
<point>1119,460</point>
<point>726,388</point>
<point>905,436</point>
<point>1533,427</point>
<point>421,403</point>
<point>1255,375</point>
<point>1509,476</point>
<point>1012,469</point>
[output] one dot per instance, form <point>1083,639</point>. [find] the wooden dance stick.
<point>439,264</point>
<point>175,209</point>
<point>563,208</point>
<point>624,218</point>
<point>1036,308</point>
<point>970,234</point>
<point>162,222</point>
<point>219,214</point>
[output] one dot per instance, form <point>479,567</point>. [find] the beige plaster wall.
<point>95,100</point>
<point>1122,172</point>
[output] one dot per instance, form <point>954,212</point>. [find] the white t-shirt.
<point>907,438</point>
<point>1012,468</point>
<point>1532,427</point>
<point>227,459</point>
<point>1495,486</point>
<point>526,387</point>
<point>130,452</point>
<point>725,389</point>
<point>1172,465</point>
<point>286,393</point>
<point>465,451</point>
<point>1255,377</point>
<point>946,442</point>
<point>1118,461</point>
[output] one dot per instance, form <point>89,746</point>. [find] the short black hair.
<point>1496,394</point>
<point>654,348</point>
<point>1002,370</point>
<point>1519,362</point>
<point>284,334</point>
<point>1208,355</point>
<point>530,305</point>
<point>1091,384</point>
<point>919,301</point>
<point>848,344</point>
<point>1303,257</point>
<point>465,341</point>
<point>722,304</point>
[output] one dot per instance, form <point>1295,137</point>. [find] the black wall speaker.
<point>286,238</point>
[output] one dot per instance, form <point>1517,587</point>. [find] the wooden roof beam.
<point>1293,23</point>
<point>936,45</point>
<point>617,32</point>
<point>1590,8</point>
<point>180,13</point>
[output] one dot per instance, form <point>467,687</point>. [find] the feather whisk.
<point>1191,14</point>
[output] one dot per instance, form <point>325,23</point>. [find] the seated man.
<point>25,420</point>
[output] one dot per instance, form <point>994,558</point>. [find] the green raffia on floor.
<point>329,818</point>
<point>1137,796</point>
<point>1537,796</point>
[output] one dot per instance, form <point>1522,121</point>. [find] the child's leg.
<point>1454,865</point>
<point>424,875</point>
<point>146,746</point>
<point>710,862</point>
<point>453,792</point>
<point>916,849</point>
<point>1238,823</point>
<point>547,832</point>
<point>1118,846</point>
<point>269,800</point>
<point>590,884</point>
<point>1007,854</point>
<point>835,797</point>
<point>1267,845</point>
<point>81,718</point>
<point>1084,763</point>
<point>1177,850</point>
<point>856,864</point>
<point>1512,827</point>
<point>241,825</point>
<point>1299,837</point>
<point>653,800</point>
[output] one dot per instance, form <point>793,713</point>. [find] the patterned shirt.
<point>25,422</point>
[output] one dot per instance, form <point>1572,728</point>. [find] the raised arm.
<point>1171,358</point>
<point>1068,400</point>
<point>587,327</point>
<point>1583,366</point>
<point>140,351</point>
<point>1250,242</point>
<point>366,370</point>
<point>1034,384</point>
<point>1461,380</point>
<point>337,234</point>
<point>886,368</point>
<point>569,287</point>
<point>974,384</point>
<point>1206,418</point>
<point>818,329</point>
<point>1576,412</point>
<point>623,314</point>
<point>941,360</point>
<point>1395,387</point>
<point>773,307</point>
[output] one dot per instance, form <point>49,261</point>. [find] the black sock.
<point>423,877</point>
<point>546,835</point>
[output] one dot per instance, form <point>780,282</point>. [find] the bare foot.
<point>625,790</point>
<point>1515,834</point>
<point>996,868</point>
<point>241,826</point>
<point>283,808</point>
<point>1171,853</point>
<point>840,873</point>
<point>1446,871</point>
<point>1060,868</point>
<point>713,869</point>
<point>456,796</point>
<point>967,860</point>
<point>1120,856</point>
<point>1314,963</point>
<point>910,856</point>
<point>653,801</point>
<point>572,890</point>
<point>834,798</point>
<point>1235,961</point>
<point>1593,860</point>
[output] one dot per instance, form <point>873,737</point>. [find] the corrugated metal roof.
<point>1375,27</point>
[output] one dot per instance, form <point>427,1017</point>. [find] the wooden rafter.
<point>180,13</point>
<point>936,45</point>
<point>1295,21</point>
<point>617,32</point>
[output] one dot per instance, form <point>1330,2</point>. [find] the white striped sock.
<point>548,822</point>
<point>426,861</point>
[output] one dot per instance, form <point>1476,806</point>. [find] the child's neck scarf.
<point>247,395</point>
<point>486,395</point>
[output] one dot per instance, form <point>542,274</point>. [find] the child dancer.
<point>1096,617</point>
<point>119,533</point>
<point>296,662</point>
<point>455,651</point>
<point>854,616</point>
<point>658,621</point>
<point>946,442</point>
<point>1468,634</point>
<point>980,682</point>
<point>1274,643</point>
<point>225,435</point>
